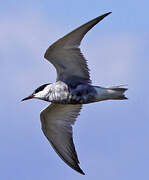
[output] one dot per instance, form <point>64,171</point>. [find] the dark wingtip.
<point>80,171</point>
<point>106,14</point>
<point>102,16</point>
<point>83,173</point>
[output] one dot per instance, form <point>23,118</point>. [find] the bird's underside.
<point>61,93</point>
<point>72,89</point>
<point>57,119</point>
<point>73,71</point>
<point>66,56</point>
<point>72,68</point>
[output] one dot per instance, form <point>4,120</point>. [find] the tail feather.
<point>118,92</point>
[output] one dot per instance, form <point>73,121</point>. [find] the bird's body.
<point>82,93</point>
<point>71,90</point>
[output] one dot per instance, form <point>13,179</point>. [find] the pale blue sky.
<point>111,137</point>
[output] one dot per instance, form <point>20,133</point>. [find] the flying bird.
<point>72,89</point>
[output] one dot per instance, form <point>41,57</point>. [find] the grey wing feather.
<point>57,121</point>
<point>66,56</point>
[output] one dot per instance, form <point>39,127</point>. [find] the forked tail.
<point>118,92</point>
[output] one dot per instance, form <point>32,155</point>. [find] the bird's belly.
<point>72,98</point>
<point>62,93</point>
<point>60,97</point>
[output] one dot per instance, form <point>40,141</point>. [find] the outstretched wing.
<point>66,56</point>
<point>57,121</point>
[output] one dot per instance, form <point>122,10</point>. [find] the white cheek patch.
<point>42,94</point>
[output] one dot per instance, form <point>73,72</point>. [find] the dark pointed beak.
<point>28,97</point>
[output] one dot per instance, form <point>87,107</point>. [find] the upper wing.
<point>66,56</point>
<point>57,120</point>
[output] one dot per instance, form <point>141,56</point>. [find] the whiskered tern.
<point>71,90</point>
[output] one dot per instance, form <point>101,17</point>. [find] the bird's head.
<point>40,93</point>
